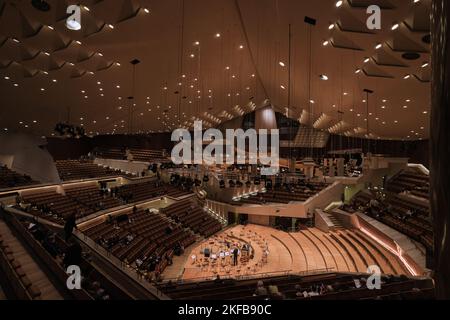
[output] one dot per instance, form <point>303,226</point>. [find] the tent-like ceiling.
<point>215,60</point>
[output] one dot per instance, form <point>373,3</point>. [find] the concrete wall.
<point>29,157</point>
<point>259,220</point>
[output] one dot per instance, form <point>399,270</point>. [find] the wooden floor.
<point>301,252</point>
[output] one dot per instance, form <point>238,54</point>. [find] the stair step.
<point>32,270</point>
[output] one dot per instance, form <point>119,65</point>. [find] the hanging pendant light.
<point>308,160</point>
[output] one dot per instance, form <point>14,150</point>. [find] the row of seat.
<point>402,215</point>
<point>143,236</point>
<point>314,287</point>
<point>149,190</point>
<point>152,156</point>
<point>12,179</point>
<point>297,193</point>
<point>144,155</point>
<point>92,197</point>
<point>55,205</point>
<point>87,199</point>
<point>83,169</point>
<point>193,216</point>
<point>414,182</point>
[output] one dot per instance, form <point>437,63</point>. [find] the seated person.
<point>260,289</point>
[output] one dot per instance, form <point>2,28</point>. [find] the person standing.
<point>70,225</point>
<point>235,256</point>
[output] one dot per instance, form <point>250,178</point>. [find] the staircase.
<point>337,223</point>
<point>32,270</point>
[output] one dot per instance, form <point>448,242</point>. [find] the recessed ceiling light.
<point>425,65</point>
<point>395,26</point>
<point>196,43</point>
<point>378,46</point>
<point>281,63</point>
<point>110,26</point>
<point>218,35</point>
<point>146,10</point>
<point>241,47</point>
<point>325,43</point>
<point>323,77</point>
<point>339,3</point>
<point>366,60</point>
<point>7,78</point>
<point>331,26</point>
<point>406,77</point>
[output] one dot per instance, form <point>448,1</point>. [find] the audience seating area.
<point>416,183</point>
<point>193,216</point>
<point>83,169</point>
<point>54,205</point>
<point>92,197</point>
<point>11,179</point>
<point>313,287</point>
<point>83,200</point>
<point>404,216</point>
<point>294,193</point>
<point>144,155</point>
<point>40,257</point>
<point>149,190</point>
<point>111,153</point>
<point>143,239</point>
<point>152,156</point>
